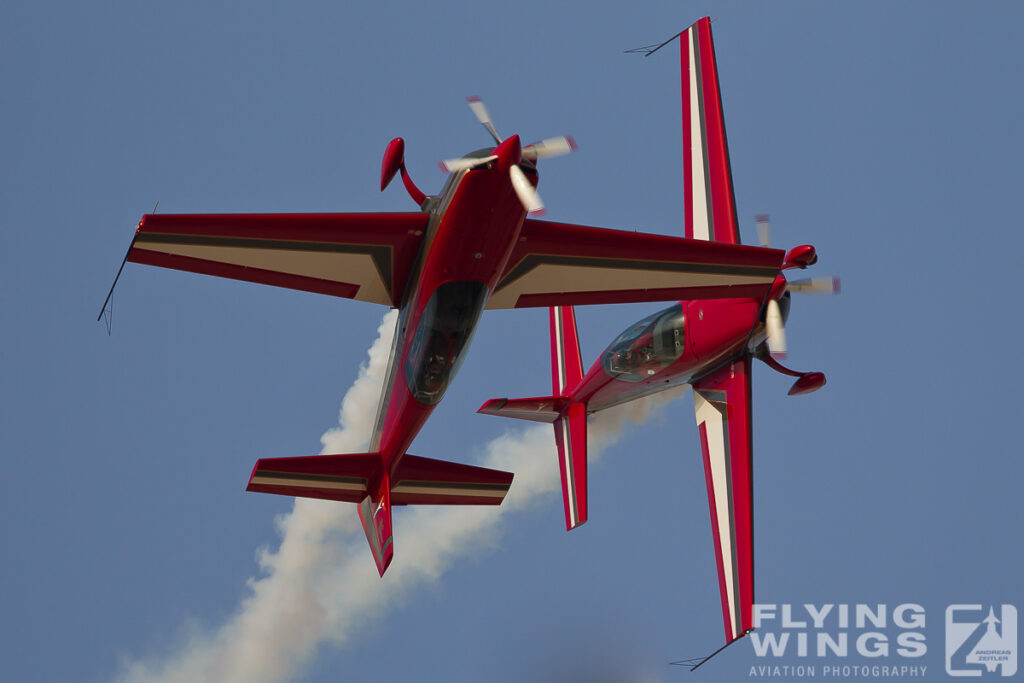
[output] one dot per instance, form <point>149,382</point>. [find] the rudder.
<point>571,439</point>
<point>571,424</point>
<point>375,515</point>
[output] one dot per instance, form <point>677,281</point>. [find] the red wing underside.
<point>722,404</point>
<point>707,178</point>
<point>557,264</point>
<point>357,256</point>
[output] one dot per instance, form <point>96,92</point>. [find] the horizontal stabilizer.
<point>439,482</point>
<point>345,478</point>
<point>540,409</point>
<point>361,478</point>
<point>330,477</point>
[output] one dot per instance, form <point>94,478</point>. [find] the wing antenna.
<point>695,662</point>
<point>648,50</point>
<point>108,311</point>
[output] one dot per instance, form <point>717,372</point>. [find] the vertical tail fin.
<point>571,439</point>
<point>375,514</point>
<point>571,424</point>
<point>566,363</point>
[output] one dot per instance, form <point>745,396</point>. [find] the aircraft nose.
<point>509,153</point>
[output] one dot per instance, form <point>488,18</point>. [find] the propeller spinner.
<point>508,154</point>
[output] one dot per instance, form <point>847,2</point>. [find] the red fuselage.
<point>474,225</point>
<point>674,346</point>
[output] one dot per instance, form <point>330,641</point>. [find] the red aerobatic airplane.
<point>706,344</point>
<point>469,248</point>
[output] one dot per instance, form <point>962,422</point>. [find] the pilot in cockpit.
<point>631,358</point>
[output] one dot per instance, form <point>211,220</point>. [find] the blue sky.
<point>885,134</point>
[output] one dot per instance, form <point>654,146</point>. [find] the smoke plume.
<point>320,584</point>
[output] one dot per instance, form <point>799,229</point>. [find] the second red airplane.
<point>708,345</point>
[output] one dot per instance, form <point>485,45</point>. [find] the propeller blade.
<point>527,194</point>
<point>453,165</point>
<point>480,111</point>
<point>764,230</point>
<point>776,330</point>
<point>814,285</point>
<point>551,147</point>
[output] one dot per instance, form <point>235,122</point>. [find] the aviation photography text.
<point>870,640</point>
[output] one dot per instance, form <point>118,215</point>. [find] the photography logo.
<point>981,640</point>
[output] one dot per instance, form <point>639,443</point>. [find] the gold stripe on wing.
<point>451,489</point>
<point>592,275</point>
<point>309,481</point>
<point>368,266</point>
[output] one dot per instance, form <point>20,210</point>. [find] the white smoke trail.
<point>321,584</point>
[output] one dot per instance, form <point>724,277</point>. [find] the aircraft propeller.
<point>798,257</point>
<point>509,153</point>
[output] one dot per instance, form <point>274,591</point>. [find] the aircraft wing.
<point>722,404</point>
<point>364,256</point>
<point>707,178</point>
<point>557,264</point>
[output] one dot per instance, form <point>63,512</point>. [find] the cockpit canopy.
<point>647,347</point>
<point>442,334</point>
